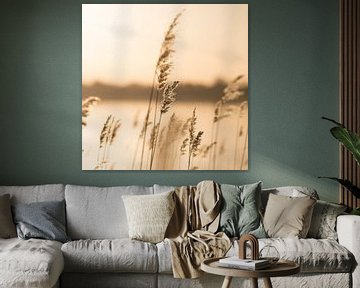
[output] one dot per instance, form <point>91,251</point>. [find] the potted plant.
<point>351,142</point>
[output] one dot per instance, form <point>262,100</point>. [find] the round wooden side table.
<point>281,268</point>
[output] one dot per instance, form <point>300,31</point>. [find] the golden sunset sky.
<point>121,42</point>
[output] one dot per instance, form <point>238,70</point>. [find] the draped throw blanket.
<point>191,231</point>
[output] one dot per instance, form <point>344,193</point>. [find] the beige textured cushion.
<point>7,226</point>
<point>149,215</point>
<point>323,222</point>
<point>288,217</point>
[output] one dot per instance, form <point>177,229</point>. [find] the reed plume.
<point>107,136</point>
<point>231,93</point>
<point>238,134</point>
<point>168,98</point>
<point>162,70</point>
<point>183,146</point>
<point>193,141</point>
<point>105,131</point>
<point>204,151</point>
<point>233,90</point>
<point>114,131</point>
<point>86,106</point>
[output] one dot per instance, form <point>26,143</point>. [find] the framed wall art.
<point>165,86</point>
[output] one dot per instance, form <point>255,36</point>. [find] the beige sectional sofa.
<point>101,254</point>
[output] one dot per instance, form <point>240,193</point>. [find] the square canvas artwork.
<point>165,86</point>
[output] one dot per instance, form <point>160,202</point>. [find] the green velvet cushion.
<point>240,210</point>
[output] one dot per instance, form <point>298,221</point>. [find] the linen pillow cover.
<point>149,215</point>
<point>240,213</point>
<point>290,191</point>
<point>323,222</point>
<point>288,217</point>
<point>43,220</point>
<point>7,226</point>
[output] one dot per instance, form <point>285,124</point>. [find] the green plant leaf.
<point>347,184</point>
<point>355,211</point>
<point>333,121</point>
<point>348,138</point>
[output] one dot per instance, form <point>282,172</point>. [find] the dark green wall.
<point>293,60</point>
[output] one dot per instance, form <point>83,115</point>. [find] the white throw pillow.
<point>149,215</point>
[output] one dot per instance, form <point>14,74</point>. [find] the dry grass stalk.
<point>169,96</point>
<point>238,134</point>
<point>162,71</point>
<point>114,131</point>
<point>141,136</point>
<point>86,106</point>
<point>105,131</point>
<point>244,150</point>
<point>153,136</point>
<point>107,136</point>
<point>104,166</point>
<point>185,126</point>
<point>183,146</point>
<point>164,63</point>
<point>204,151</point>
<point>193,141</point>
<point>169,140</point>
<point>232,92</point>
<point>196,143</point>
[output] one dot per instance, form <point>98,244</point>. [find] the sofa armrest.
<point>348,230</point>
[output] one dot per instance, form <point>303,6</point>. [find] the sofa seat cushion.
<point>115,255</point>
<point>30,263</point>
<point>313,255</point>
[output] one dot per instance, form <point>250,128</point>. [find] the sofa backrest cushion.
<point>36,193</point>
<point>42,220</point>
<point>240,210</point>
<point>288,217</point>
<point>148,216</point>
<point>98,212</point>
<point>163,188</point>
<point>323,222</point>
<point>291,191</point>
